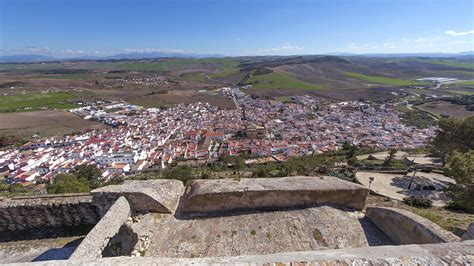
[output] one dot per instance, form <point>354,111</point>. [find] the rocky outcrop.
<point>109,226</point>
<point>160,196</point>
<point>205,196</point>
<point>404,227</point>
<point>469,233</point>
<point>47,211</point>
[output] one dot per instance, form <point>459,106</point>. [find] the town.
<point>140,139</point>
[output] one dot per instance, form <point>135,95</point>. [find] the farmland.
<point>381,80</point>
<point>44,123</point>
<point>279,80</point>
<point>35,101</point>
<point>443,108</point>
<point>450,63</point>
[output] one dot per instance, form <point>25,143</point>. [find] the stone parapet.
<point>404,227</point>
<point>205,196</point>
<point>160,196</point>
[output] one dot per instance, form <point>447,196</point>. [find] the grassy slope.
<point>381,80</point>
<point>177,64</point>
<point>35,101</point>
<point>445,62</point>
<point>279,80</point>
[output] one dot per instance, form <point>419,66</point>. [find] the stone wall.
<point>47,211</point>
<point>205,196</point>
<point>98,239</point>
<point>458,253</point>
<point>404,227</point>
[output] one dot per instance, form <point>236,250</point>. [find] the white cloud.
<point>284,48</point>
<point>151,50</point>
<point>67,53</point>
<point>459,42</point>
<point>459,33</point>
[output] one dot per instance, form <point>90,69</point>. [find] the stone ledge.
<point>205,196</point>
<point>404,227</point>
<point>95,242</point>
<point>458,253</point>
<point>144,196</point>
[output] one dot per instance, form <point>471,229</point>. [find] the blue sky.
<point>249,27</point>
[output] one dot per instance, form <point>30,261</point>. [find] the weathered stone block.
<point>160,196</point>
<point>206,196</point>
<point>95,242</point>
<point>404,227</point>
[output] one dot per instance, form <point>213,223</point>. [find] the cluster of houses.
<point>199,133</point>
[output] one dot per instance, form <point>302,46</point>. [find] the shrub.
<point>418,202</point>
<point>68,183</point>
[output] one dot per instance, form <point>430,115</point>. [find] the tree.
<point>183,173</point>
<point>453,135</point>
<point>68,183</point>
<point>461,168</point>
<point>88,172</point>
<point>391,156</point>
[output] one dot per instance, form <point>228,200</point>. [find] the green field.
<point>195,77</point>
<point>278,80</point>
<point>224,72</point>
<point>461,92</point>
<point>466,83</point>
<point>35,101</point>
<point>176,64</point>
<point>444,62</point>
<point>381,80</point>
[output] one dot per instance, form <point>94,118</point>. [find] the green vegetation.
<point>455,145</point>
<point>68,183</point>
<point>461,168</point>
<point>253,232</point>
<point>9,140</point>
<point>466,100</point>
<point>466,83</point>
<point>454,135</point>
<point>455,222</point>
<point>65,76</point>
<point>35,101</point>
<point>418,202</point>
<point>445,62</point>
<point>82,179</point>
<point>224,72</point>
<point>176,64</point>
<point>461,92</point>
<point>195,77</point>
<point>418,119</point>
<point>382,80</point>
<point>279,80</point>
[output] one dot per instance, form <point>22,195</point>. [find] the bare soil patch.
<point>46,123</point>
<point>438,108</point>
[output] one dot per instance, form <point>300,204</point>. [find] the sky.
<point>74,28</point>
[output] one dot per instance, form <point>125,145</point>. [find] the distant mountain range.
<point>393,55</point>
<point>27,58</point>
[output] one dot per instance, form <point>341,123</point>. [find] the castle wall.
<point>47,211</point>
